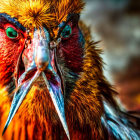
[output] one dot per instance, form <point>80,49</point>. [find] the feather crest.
<point>35,13</point>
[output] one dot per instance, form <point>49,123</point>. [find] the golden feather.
<point>36,13</point>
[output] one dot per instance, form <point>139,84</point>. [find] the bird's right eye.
<point>11,33</point>
<point>66,31</point>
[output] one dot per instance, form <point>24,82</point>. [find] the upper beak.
<point>43,60</point>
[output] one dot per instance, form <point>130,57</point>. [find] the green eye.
<point>11,33</point>
<point>66,31</point>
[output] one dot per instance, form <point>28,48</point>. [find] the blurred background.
<point>117,24</point>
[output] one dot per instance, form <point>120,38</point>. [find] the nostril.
<point>29,40</point>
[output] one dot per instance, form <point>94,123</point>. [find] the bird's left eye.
<point>11,33</point>
<point>66,31</point>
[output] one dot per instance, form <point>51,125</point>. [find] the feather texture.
<point>36,13</point>
<point>118,126</point>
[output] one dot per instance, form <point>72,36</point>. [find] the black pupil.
<point>11,33</point>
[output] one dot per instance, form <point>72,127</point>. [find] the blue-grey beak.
<point>42,61</point>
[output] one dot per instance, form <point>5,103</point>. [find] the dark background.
<point>117,24</point>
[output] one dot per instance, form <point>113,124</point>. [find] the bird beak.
<point>43,60</point>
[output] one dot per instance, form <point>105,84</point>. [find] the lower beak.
<point>42,61</point>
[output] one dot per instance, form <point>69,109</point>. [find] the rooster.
<point>52,85</point>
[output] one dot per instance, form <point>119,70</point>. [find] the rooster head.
<point>47,65</point>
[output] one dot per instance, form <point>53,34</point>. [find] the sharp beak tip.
<point>5,128</point>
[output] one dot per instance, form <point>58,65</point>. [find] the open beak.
<point>43,60</point>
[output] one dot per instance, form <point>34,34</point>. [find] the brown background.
<point>117,24</point>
